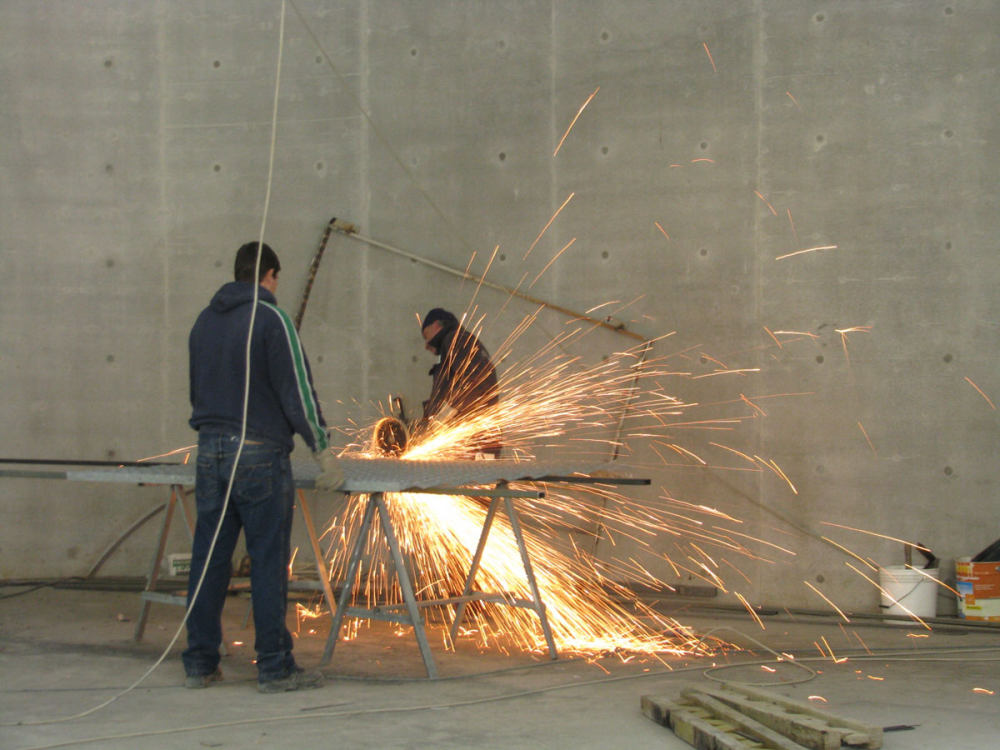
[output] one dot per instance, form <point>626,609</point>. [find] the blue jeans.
<point>261,504</point>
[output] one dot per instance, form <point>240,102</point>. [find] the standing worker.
<point>464,378</point>
<point>282,401</point>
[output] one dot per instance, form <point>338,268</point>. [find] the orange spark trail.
<point>807,250</point>
<point>741,371</point>
<point>710,58</point>
<point>868,439</point>
<point>753,406</point>
<point>791,222</point>
<point>797,333</point>
<point>482,279</point>
<point>862,642</point>
<point>929,577</point>
<point>738,453</point>
<point>468,266</point>
<point>830,649</point>
<point>546,227</point>
<point>773,466</point>
<point>578,113</point>
<point>186,450</point>
<point>664,231</point>
<point>889,596</point>
<point>766,202</point>
<point>988,401</point>
<point>549,264</point>
<point>749,609</point>
<point>794,101</point>
<point>843,337</point>
<point>827,600</point>
<point>856,556</point>
<point>775,338</point>
<point>873,533</point>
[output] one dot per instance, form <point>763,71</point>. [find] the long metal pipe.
<point>615,326</point>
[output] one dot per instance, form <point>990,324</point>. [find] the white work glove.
<point>331,473</point>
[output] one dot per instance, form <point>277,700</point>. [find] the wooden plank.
<point>766,735</point>
<point>854,733</point>
<point>808,731</point>
<point>695,726</point>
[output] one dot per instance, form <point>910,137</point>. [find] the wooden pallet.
<point>744,718</point>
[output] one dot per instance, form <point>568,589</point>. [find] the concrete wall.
<point>134,160</point>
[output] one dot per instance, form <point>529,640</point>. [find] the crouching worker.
<point>464,378</point>
<point>282,401</point>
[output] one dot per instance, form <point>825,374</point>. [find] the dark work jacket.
<point>282,398</point>
<point>464,377</point>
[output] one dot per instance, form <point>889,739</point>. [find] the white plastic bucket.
<point>908,588</point>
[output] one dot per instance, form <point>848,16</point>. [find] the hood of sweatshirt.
<point>237,293</point>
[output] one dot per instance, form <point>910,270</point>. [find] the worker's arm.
<point>292,379</point>
<point>436,401</point>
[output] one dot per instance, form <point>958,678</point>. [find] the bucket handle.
<point>899,599</point>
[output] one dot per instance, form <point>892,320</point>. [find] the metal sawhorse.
<point>376,503</point>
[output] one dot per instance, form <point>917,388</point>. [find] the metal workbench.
<point>375,479</point>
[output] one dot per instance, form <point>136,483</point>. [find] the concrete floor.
<point>64,651</point>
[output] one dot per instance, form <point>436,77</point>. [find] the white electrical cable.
<point>246,403</point>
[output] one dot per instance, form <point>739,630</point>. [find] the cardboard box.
<point>978,585</point>
<point>179,564</point>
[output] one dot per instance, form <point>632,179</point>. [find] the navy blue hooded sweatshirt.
<point>282,398</point>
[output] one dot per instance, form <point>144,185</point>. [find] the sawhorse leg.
<point>536,602</point>
<point>470,580</point>
<point>376,502</point>
<point>176,492</point>
<point>324,575</point>
<point>345,592</point>
<point>321,570</point>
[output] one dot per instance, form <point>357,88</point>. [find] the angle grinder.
<point>390,436</point>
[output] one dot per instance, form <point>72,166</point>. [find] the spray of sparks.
<point>555,404</point>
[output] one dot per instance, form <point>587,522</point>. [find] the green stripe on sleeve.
<point>309,405</point>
